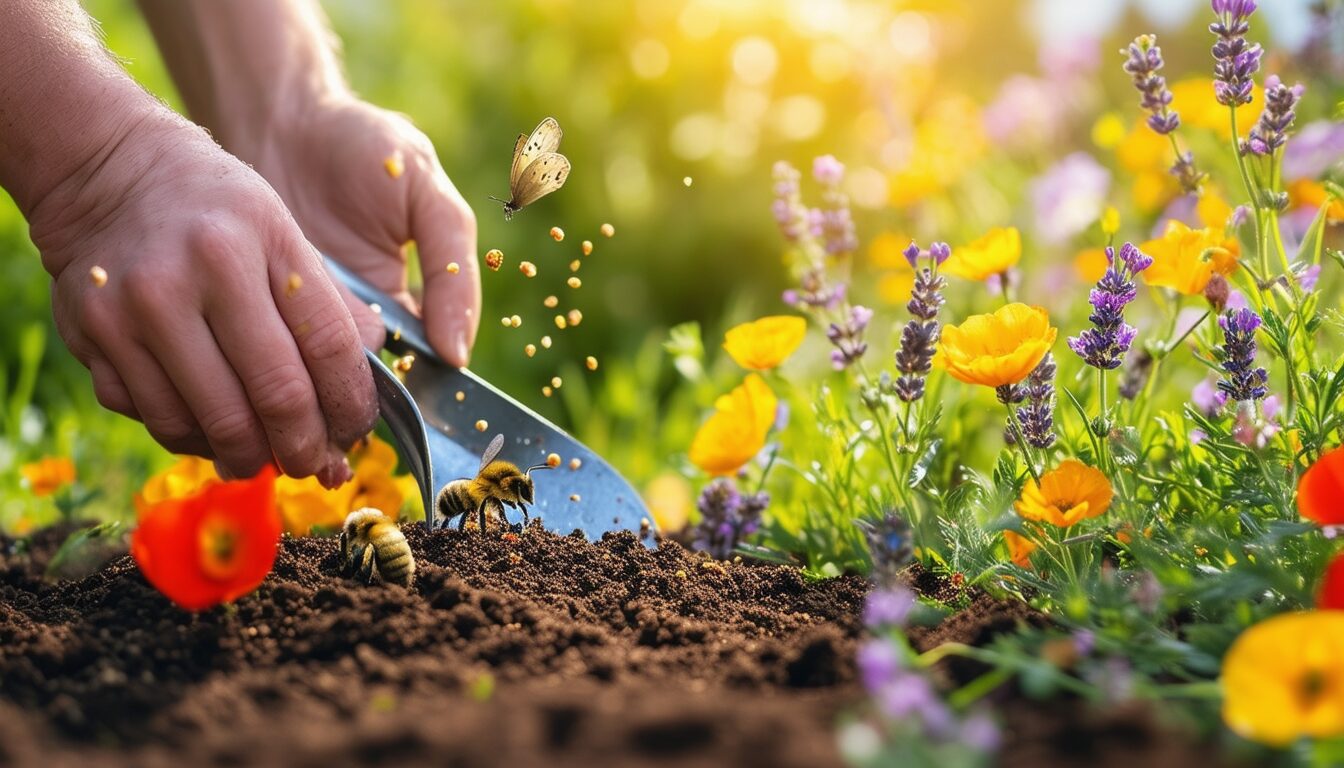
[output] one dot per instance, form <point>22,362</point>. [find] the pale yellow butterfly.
<point>538,170</point>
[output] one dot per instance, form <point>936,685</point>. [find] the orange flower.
<point>1330,594</point>
<point>1019,548</point>
<point>1306,193</point>
<point>1320,492</point>
<point>1184,259</point>
<point>1090,264</point>
<point>736,431</point>
<point>210,547</point>
<point>186,477</point>
<point>1067,494</point>
<point>763,344</point>
<point>993,254</point>
<point>48,475</point>
<point>305,504</point>
<point>996,349</point>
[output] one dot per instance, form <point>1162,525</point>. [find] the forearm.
<point>64,101</point>
<point>245,67</point>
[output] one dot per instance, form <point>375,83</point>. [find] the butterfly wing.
<point>545,175</point>
<point>545,138</point>
<point>491,451</point>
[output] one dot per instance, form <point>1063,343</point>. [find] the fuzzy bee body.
<point>497,484</point>
<point>373,547</point>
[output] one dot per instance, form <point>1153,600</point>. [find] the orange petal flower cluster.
<point>763,344</point>
<point>1019,548</point>
<point>736,431</point>
<point>1066,495</point>
<point>1283,679</point>
<point>998,348</point>
<point>48,475</point>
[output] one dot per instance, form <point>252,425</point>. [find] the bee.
<point>497,483</point>
<point>372,545</point>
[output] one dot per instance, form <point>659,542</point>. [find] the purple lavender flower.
<point>1271,131</point>
<point>888,607</point>
<point>980,732</point>
<point>727,517</point>
<point>1037,417</point>
<point>836,224</point>
<point>1187,173</point>
<point>1207,398</point>
<point>1105,344</point>
<point>1236,60</point>
<point>827,170</point>
<point>1317,147</point>
<point>1138,369</point>
<point>1143,60</point>
<point>1242,380</point>
<point>848,337</point>
<point>879,664</point>
<point>1068,197</point>
<point>919,337</point>
<point>1308,276</point>
<point>788,209</point>
<point>814,291</point>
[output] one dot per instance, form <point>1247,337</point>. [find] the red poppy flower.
<point>211,547</point>
<point>1320,492</point>
<point>1330,595</point>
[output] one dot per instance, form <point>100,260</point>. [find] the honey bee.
<point>372,545</point>
<point>497,483</point>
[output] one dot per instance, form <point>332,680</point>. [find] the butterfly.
<point>538,170</point>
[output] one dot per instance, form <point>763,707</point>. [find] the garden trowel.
<point>444,417</point>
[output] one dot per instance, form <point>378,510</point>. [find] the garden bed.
<point>539,651</point>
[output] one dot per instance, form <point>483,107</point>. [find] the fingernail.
<point>224,473</point>
<point>462,350</point>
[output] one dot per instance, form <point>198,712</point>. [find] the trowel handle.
<point>405,332</point>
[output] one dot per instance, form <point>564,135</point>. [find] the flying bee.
<point>373,546</point>
<point>497,483</point>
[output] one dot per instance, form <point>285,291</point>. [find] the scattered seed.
<point>504,321</point>
<point>460,396</point>
<point>574,265</point>
<point>515,321</point>
<point>560,322</point>
<point>482,425</point>
<point>394,165</point>
<point>587,247</point>
<point>453,268</point>
<point>551,302</point>
<point>546,391</point>
<point>574,282</point>
<point>293,285</point>
<point>552,460</point>
<point>608,230</point>
<point>403,364</point>
<point>530,350</point>
<point>556,382</point>
<point>591,362</point>
<point>546,342</point>
<point>527,268</point>
<point>681,574</point>
<point>687,180</point>
<point>396,335</point>
<point>573,497</point>
<point>557,234</point>
<point>644,524</point>
<point>98,275</point>
<point>377,308</point>
<point>574,316</point>
<point>494,259</point>
<point>575,463</point>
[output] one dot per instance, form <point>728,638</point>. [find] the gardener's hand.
<point>217,324</point>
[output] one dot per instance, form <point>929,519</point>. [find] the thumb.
<point>444,229</point>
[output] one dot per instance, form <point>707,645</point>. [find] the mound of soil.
<point>527,651</point>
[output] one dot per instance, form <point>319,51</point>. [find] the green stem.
<point>1250,190</point>
<point>1022,443</point>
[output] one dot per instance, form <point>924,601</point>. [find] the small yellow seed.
<point>546,342</point>
<point>460,396</point>
<point>687,180</point>
<point>98,275</point>
<point>681,574</point>
<point>608,230</point>
<point>591,362</point>
<point>575,463</point>
<point>530,350</point>
<point>527,268</point>
<point>394,165</point>
<point>560,322</point>
<point>293,285</point>
<point>587,247</point>
<point>551,302</point>
<point>574,282</point>
<point>403,364</point>
<point>515,321</point>
<point>494,259</point>
<point>574,265</point>
<point>556,382</point>
<point>552,460</point>
<point>574,316</point>
<point>504,321</point>
<point>376,308</point>
<point>557,234</point>
<point>453,268</point>
<point>573,497</point>
<point>546,391</point>
<point>482,425</point>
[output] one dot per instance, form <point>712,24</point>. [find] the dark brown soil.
<point>537,651</point>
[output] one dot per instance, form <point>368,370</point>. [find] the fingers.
<point>444,229</point>
<point>154,398</point>
<point>370,325</point>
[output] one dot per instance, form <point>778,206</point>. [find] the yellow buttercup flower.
<point>993,254</point>
<point>187,476</point>
<point>1090,264</point>
<point>895,275</point>
<point>736,431</point>
<point>1213,211</point>
<point>763,344</point>
<point>47,475</point>
<point>1110,220</point>
<point>304,504</point>
<point>998,348</point>
<point>1283,679</point>
<point>1067,494</point>
<point>1184,259</point>
<point>1019,548</point>
<point>1313,194</point>
<point>1194,98</point>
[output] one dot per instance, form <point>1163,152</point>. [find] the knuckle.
<point>234,430</point>
<point>170,428</point>
<point>281,393</point>
<point>213,240</point>
<point>332,339</point>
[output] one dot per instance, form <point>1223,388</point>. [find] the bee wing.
<point>545,138</point>
<point>491,451</point>
<point>545,175</point>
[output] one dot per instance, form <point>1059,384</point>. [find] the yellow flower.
<point>996,349</point>
<point>736,431</point>
<point>1108,131</point>
<point>895,275</point>
<point>46,475</point>
<point>1184,259</point>
<point>1019,548</point>
<point>992,254</point>
<point>1284,678</point>
<point>946,145</point>
<point>1067,494</point>
<point>1090,264</point>
<point>305,504</point>
<point>1213,211</point>
<point>1110,220</point>
<point>1313,194</point>
<point>187,476</point>
<point>1194,99</point>
<point>763,344</point>
<point>670,499</point>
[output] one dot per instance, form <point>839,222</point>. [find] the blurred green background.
<point>674,111</point>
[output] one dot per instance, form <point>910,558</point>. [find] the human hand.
<point>217,325</point>
<point>327,161</point>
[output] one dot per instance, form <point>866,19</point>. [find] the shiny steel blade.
<point>429,418</point>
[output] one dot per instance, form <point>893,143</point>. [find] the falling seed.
<point>574,282</point>
<point>557,234</point>
<point>530,350</point>
<point>551,302</point>
<point>293,285</point>
<point>460,396</point>
<point>560,322</point>
<point>556,382</point>
<point>504,321</point>
<point>377,309</point>
<point>546,342</point>
<point>403,364</point>
<point>573,497</point>
<point>546,391</point>
<point>574,265</point>
<point>687,180</point>
<point>396,335</point>
<point>681,574</point>
<point>608,230</point>
<point>574,316</point>
<point>494,259</point>
<point>575,463</point>
<point>591,362</point>
<point>552,460</point>
<point>482,425</point>
<point>453,268</point>
<point>99,276</point>
<point>394,165</point>
<point>527,268</point>
<point>587,247</point>
<point>515,321</point>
